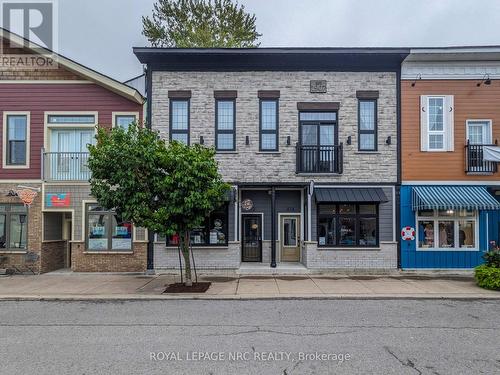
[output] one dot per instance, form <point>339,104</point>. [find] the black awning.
<point>371,195</point>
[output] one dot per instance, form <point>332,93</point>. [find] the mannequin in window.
<point>429,234</point>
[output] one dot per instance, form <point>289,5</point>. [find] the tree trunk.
<point>187,260</point>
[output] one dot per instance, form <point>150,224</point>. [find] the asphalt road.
<point>251,337</point>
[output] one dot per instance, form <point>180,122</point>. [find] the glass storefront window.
<point>447,229</point>
<point>327,232</point>
<point>347,231</point>
<point>106,231</point>
<point>13,227</point>
<point>368,231</point>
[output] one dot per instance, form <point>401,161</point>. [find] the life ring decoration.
<point>408,233</point>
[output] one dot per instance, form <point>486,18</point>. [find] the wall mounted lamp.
<point>486,80</point>
<point>388,141</point>
<point>202,140</point>
<point>349,140</point>
<point>288,141</point>
<point>247,140</point>
<point>419,77</point>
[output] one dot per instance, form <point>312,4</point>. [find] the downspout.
<point>273,227</point>
<point>149,80</point>
<point>399,162</point>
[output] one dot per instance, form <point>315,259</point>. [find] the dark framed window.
<point>16,139</point>
<point>179,120</point>
<point>225,124</point>
<point>367,125</point>
<point>106,231</point>
<point>213,232</point>
<point>348,225</point>
<point>13,227</point>
<point>318,128</point>
<point>269,125</point>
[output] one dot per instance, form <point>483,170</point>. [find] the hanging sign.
<point>408,234</point>
<point>247,204</point>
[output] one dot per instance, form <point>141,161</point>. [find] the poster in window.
<point>122,244</point>
<point>98,230</point>
<point>122,231</point>
<point>98,244</point>
<point>322,241</point>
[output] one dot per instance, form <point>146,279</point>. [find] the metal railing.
<point>319,159</point>
<point>65,166</point>
<point>474,160</point>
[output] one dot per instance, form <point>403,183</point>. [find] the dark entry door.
<point>252,238</point>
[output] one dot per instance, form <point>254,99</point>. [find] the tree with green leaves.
<point>200,23</point>
<point>168,189</point>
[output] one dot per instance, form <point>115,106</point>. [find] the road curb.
<point>116,298</point>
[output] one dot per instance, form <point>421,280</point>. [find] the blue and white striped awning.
<point>453,197</point>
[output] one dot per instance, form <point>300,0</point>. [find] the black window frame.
<point>357,216</point>
<point>224,208</point>
<point>8,213</point>
<point>224,131</point>
<point>170,113</point>
<point>375,125</point>
<point>267,131</point>
<point>109,217</point>
<point>8,141</point>
<point>318,124</point>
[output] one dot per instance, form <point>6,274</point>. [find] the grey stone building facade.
<point>309,140</point>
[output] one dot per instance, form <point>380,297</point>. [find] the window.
<point>348,225</point>
<point>16,135</point>
<point>179,120</point>
<point>269,126</point>
<point>71,119</point>
<point>124,121</point>
<point>213,232</point>
<point>367,125</point>
<point>479,132</point>
<point>13,227</point>
<point>447,230</point>
<point>437,123</point>
<point>225,113</point>
<point>106,231</point>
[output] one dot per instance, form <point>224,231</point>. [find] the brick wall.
<point>81,261</point>
<point>34,237</point>
<point>247,164</point>
<point>53,255</point>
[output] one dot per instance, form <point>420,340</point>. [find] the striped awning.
<point>370,195</point>
<point>453,197</point>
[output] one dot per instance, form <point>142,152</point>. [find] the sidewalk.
<point>78,286</point>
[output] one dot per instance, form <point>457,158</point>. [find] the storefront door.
<point>290,238</point>
<point>251,238</point>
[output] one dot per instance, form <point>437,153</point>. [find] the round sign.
<point>408,233</point>
<point>247,204</point>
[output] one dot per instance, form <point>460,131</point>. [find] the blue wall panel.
<point>410,258</point>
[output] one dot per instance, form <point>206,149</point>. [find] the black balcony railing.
<point>474,160</point>
<point>319,159</point>
<point>66,166</point>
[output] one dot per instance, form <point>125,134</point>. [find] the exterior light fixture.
<point>202,140</point>
<point>388,141</point>
<point>247,140</point>
<point>419,76</point>
<point>486,80</point>
<point>288,141</point>
<point>349,140</point>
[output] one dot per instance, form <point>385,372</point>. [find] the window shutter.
<point>424,137</point>
<point>450,123</point>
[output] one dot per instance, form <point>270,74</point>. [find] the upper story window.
<point>269,126</point>
<point>124,120</point>
<point>367,124</point>
<point>179,120</point>
<point>225,125</point>
<point>71,119</point>
<point>437,123</point>
<point>13,227</point>
<point>16,140</point>
<point>447,230</point>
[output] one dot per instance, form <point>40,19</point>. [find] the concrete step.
<point>266,269</point>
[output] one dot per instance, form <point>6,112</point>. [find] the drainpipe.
<point>273,227</point>
<point>151,237</point>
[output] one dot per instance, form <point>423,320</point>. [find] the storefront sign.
<point>58,199</point>
<point>408,234</point>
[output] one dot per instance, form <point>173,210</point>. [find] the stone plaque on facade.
<point>318,87</point>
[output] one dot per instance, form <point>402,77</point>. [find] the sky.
<point>101,33</point>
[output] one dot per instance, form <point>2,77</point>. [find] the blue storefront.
<point>453,225</point>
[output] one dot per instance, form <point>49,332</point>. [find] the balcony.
<point>474,160</point>
<point>319,159</point>
<point>65,166</point>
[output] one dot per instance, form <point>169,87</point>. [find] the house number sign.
<point>247,204</point>
<point>318,87</point>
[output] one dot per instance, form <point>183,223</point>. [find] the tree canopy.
<point>200,23</point>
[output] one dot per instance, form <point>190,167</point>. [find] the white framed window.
<point>124,119</point>
<point>16,140</point>
<point>447,230</point>
<point>437,124</point>
<point>479,132</point>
